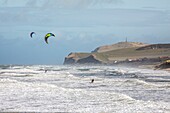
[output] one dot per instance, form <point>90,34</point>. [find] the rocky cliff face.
<point>90,59</point>
<point>164,65</point>
<point>73,58</point>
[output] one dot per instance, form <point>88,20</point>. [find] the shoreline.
<point>140,65</point>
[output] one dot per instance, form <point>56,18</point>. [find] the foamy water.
<point>68,89</point>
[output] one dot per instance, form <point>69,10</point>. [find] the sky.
<point>79,26</point>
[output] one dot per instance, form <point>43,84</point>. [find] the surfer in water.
<point>46,71</point>
<point>92,81</point>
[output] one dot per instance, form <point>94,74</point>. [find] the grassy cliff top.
<point>119,45</point>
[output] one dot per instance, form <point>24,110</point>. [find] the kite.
<point>31,34</point>
<point>47,36</point>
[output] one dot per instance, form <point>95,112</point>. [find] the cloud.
<point>59,3</point>
<point>92,4</point>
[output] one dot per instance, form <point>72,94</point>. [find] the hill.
<point>120,45</point>
<point>122,52</point>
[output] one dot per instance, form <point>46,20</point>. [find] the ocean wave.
<point>17,74</point>
<point>5,66</point>
<point>113,89</point>
<point>7,80</point>
<point>157,80</point>
<point>83,69</point>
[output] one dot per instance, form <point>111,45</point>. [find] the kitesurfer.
<point>92,80</point>
<point>46,71</point>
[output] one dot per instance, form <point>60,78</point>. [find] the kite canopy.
<point>31,34</point>
<point>47,36</point>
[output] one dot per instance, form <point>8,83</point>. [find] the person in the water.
<point>92,80</point>
<point>46,71</point>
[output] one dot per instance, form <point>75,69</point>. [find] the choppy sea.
<point>50,88</point>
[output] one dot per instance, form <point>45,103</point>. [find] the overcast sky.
<point>79,26</point>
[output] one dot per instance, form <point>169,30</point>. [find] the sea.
<point>69,88</point>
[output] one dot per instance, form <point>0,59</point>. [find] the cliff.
<point>90,59</point>
<point>72,58</point>
<point>122,52</point>
<point>163,65</point>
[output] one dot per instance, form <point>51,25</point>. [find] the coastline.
<point>141,65</point>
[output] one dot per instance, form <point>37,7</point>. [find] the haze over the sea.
<point>79,26</point>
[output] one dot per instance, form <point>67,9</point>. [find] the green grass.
<point>83,55</point>
<point>102,57</point>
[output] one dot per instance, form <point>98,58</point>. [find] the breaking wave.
<point>69,89</point>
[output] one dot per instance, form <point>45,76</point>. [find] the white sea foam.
<point>68,89</point>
